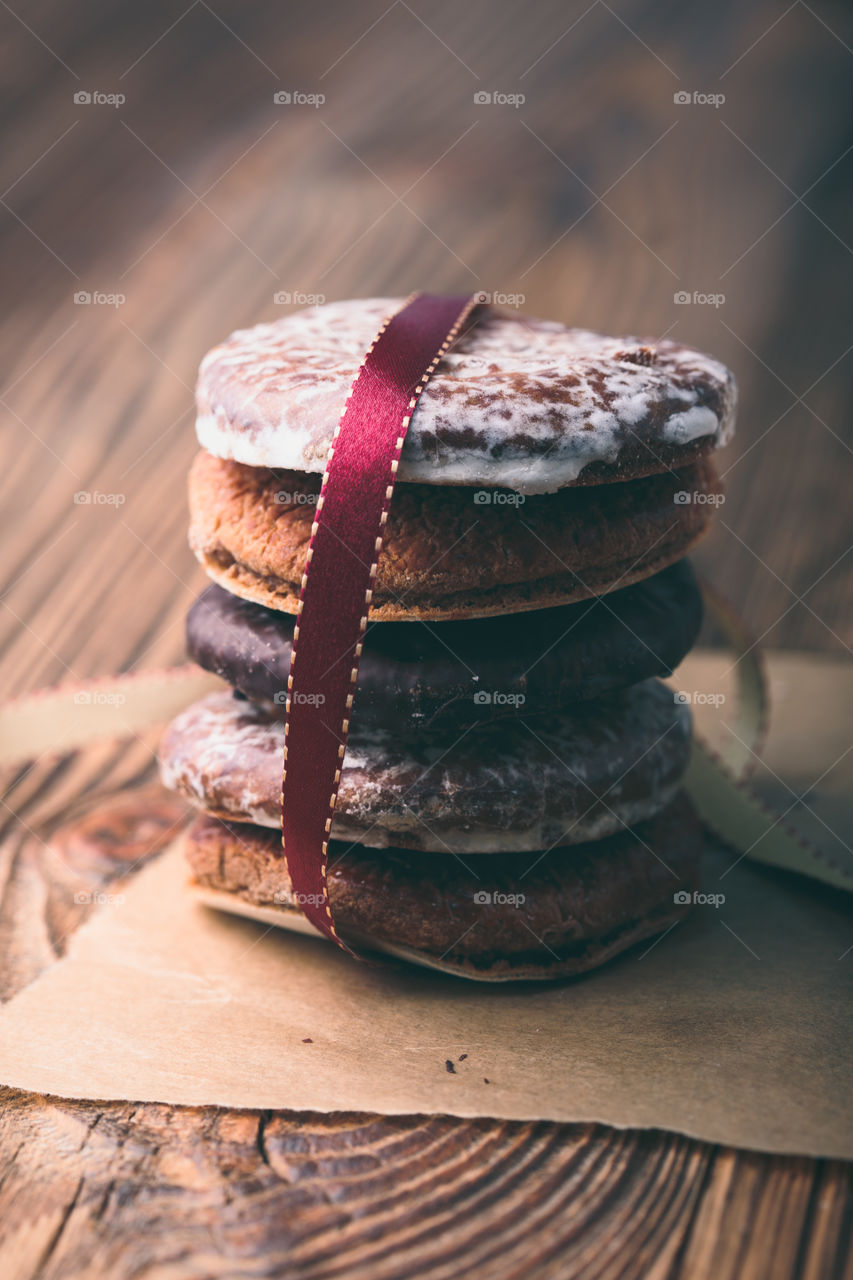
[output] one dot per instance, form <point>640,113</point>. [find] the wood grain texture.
<point>199,200</point>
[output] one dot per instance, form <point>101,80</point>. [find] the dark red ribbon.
<point>337,583</point>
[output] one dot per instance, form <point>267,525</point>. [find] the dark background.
<point>598,198</point>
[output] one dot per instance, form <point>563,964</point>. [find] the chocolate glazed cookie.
<point>450,675</point>
<point>566,778</point>
<point>510,916</point>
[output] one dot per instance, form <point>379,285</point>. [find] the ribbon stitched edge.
<point>337,582</point>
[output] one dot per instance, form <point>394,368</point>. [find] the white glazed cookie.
<point>518,403</point>
<point>582,775</point>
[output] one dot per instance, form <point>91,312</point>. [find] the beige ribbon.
<point>716,781</point>
<point>53,721</point>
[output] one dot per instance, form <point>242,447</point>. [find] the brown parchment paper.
<point>734,1027</point>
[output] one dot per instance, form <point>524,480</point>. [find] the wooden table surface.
<point>197,200</point>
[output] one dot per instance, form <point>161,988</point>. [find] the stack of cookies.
<point>510,802</point>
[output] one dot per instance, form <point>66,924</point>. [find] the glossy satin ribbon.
<point>337,583</point>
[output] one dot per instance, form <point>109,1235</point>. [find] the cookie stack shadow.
<point>510,804</point>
